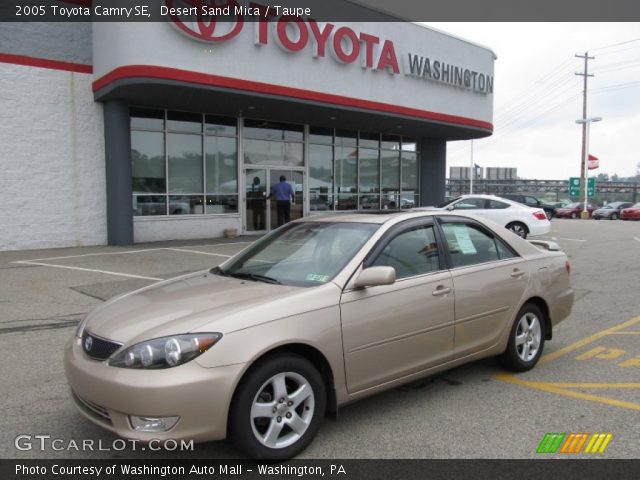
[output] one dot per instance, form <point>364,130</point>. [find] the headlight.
<point>165,352</point>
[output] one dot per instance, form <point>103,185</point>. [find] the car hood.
<point>197,302</point>
<point>604,211</point>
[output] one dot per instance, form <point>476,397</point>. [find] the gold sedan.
<point>321,312</point>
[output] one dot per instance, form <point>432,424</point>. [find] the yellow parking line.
<point>552,388</point>
<point>593,385</point>
<point>588,340</point>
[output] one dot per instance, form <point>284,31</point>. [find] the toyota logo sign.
<point>189,17</point>
<point>88,343</point>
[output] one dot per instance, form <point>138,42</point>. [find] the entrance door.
<point>260,213</point>
<point>256,188</point>
<point>294,177</point>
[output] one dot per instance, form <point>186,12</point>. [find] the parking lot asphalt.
<point>587,382</point>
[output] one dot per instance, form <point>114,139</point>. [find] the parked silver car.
<point>321,312</point>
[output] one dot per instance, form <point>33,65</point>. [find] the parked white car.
<point>520,219</point>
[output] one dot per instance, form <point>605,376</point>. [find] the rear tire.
<point>574,215</point>
<point>277,409</point>
<point>518,228</point>
<point>526,340</point>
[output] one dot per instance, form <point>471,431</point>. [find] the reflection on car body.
<point>316,314</point>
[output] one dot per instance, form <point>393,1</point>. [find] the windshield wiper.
<point>255,277</point>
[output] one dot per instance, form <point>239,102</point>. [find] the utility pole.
<point>585,75</point>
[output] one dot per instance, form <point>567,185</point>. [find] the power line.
<point>617,44</point>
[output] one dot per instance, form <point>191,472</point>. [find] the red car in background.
<point>573,210</point>
<point>631,213</point>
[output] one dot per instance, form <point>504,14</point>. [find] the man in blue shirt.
<point>284,195</point>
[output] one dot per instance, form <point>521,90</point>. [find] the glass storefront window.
<point>147,119</point>
<point>346,138</point>
<point>221,163</point>
<point>409,171</point>
<point>221,204</point>
<point>369,170</point>
<point>185,204</point>
<point>390,170</point>
<point>144,205</point>
<point>321,177</point>
<point>185,163</point>
<point>390,142</point>
<point>409,144</point>
<point>184,122</point>
<point>147,162</point>
<point>264,152</point>
<point>346,202</point>
<point>320,135</point>
<point>223,126</point>
<point>345,170</point>
<point>369,140</point>
<point>265,130</point>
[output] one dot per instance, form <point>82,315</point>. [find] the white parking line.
<point>142,250</point>
<point>636,239</point>
<point>569,239</point>
<point>198,251</point>
<point>93,254</point>
<point>107,272</point>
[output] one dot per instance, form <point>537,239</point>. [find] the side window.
<point>470,245</point>
<point>412,252</point>
<point>494,205</point>
<point>469,204</point>
<point>530,201</point>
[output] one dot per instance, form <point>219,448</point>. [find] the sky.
<point>538,97</point>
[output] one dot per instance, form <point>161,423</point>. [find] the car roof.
<point>379,216</point>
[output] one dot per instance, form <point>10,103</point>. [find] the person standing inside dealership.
<point>284,194</point>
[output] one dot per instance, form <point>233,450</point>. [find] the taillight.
<point>540,215</point>
<point>567,267</point>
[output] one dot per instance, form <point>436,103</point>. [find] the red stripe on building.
<point>45,63</point>
<point>166,73</point>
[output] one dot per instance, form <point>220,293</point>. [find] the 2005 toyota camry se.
<point>321,312</point>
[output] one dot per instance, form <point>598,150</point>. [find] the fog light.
<point>152,424</point>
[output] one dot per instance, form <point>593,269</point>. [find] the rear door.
<point>489,279</point>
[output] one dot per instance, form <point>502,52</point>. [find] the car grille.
<point>98,348</point>
<point>92,409</point>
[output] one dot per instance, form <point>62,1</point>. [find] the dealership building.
<point>127,132</point>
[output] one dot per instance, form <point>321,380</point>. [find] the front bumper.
<point>108,395</point>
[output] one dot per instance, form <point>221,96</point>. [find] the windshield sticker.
<point>314,277</point>
<point>464,242</point>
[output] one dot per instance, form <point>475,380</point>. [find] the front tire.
<point>278,407</point>
<point>614,216</point>
<point>574,215</point>
<point>526,340</point>
<point>519,229</point>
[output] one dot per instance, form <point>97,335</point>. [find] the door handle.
<point>441,291</point>
<point>517,274</point>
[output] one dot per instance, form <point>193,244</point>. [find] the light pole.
<point>585,179</point>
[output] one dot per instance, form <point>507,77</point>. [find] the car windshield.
<point>637,205</point>
<point>448,202</point>
<point>613,205</point>
<point>302,253</point>
<point>573,205</point>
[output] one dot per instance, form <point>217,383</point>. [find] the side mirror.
<point>450,207</point>
<point>374,276</point>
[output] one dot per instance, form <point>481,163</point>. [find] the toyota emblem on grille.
<point>88,343</point>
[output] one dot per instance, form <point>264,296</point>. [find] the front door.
<point>294,177</point>
<point>260,212</point>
